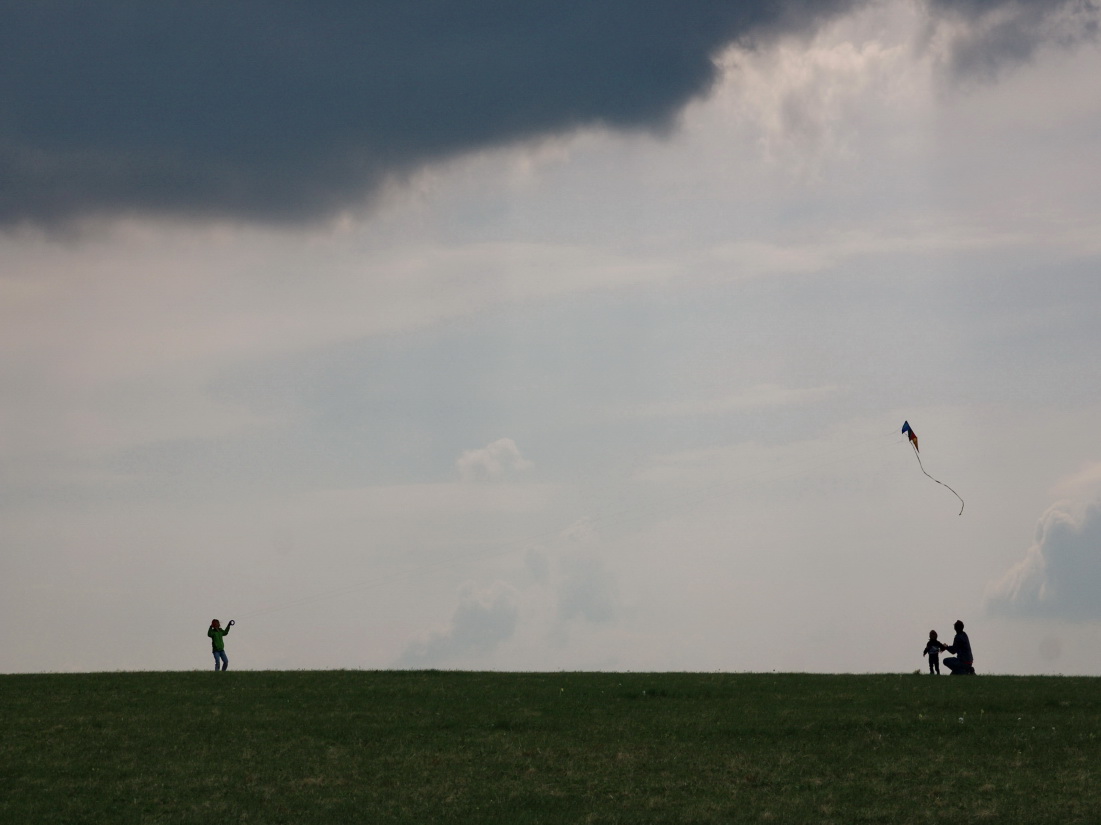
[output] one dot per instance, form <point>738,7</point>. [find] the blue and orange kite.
<point>908,431</point>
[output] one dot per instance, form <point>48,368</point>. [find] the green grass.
<point>422,747</point>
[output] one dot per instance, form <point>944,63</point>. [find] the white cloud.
<point>542,603</point>
<point>585,588</point>
<point>1060,574</point>
<point>483,619</point>
<point>807,100</point>
<point>496,461</point>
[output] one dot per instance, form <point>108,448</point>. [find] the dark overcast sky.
<point>292,110</point>
<point>287,110</point>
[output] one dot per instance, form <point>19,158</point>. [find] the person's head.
<point>958,625</point>
<point>215,623</point>
<point>933,635</point>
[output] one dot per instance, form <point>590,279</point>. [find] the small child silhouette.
<point>932,650</point>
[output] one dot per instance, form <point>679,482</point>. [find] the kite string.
<point>917,455</point>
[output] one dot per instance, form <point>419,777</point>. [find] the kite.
<point>909,432</point>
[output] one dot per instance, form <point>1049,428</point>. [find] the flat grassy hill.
<point>422,747</point>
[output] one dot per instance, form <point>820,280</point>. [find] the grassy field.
<point>422,747</point>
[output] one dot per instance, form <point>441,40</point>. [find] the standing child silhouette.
<point>932,650</point>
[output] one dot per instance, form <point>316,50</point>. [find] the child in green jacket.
<point>217,643</point>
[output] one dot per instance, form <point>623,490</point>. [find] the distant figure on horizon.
<point>217,642</point>
<point>932,650</point>
<point>962,663</point>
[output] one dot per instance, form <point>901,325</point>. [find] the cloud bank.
<point>995,34</point>
<point>1060,575</point>
<point>483,620</point>
<point>289,111</point>
<point>286,111</point>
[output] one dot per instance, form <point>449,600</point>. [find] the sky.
<point>549,336</point>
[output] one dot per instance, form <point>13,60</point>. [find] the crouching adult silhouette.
<point>962,663</point>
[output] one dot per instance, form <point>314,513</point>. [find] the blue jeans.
<point>220,654</point>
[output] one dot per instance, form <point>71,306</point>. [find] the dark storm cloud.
<point>282,110</point>
<point>289,111</point>
<point>1002,33</point>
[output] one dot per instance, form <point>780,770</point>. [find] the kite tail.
<point>917,455</point>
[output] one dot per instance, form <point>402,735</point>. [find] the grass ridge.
<point>547,747</point>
